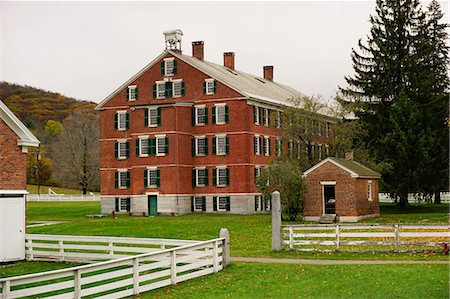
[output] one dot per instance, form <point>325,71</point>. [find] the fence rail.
<point>413,197</point>
<point>117,278</point>
<point>62,197</point>
<point>363,238</point>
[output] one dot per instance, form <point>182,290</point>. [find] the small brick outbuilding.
<point>341,187</point>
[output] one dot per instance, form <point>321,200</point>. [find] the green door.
<point>152,205</point>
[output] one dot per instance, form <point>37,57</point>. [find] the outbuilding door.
<point>152,205</point>
<point>329,199</point>
<point>12,228</point>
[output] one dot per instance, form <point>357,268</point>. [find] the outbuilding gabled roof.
<point>26,138</point>
<point>355,169</point>
<point>250,86</point>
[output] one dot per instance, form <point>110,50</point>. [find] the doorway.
<point>152,205</point>
<point>329,199</point>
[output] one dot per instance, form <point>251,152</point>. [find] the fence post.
<point>173,267</point>
<point>61,249</point>
<point>215,247</point>
<point>30,247</point>
<point>111,248</point>
<point>136,276</point>
<point>396,237</point>
<point>225,246</point>
<point>276,221</point>
<point>291,237</point>
<point>338,237</point>
<point>77,282</point>
<point>5,289</point>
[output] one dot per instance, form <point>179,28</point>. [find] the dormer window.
<point>132,93</point>
<point>209,86</point>
<point>168,67</point>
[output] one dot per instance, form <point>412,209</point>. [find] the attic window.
<point>260,80</point>
<point>234,73</point>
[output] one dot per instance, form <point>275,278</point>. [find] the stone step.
<point>327,219</point>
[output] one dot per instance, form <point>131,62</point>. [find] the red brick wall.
<point>351,193</point>
<point>12,161</point>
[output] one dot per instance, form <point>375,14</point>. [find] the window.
<point>221,176</point>
<point>200,146</point>
<point>159,90</point>
<point>200,177</point>
<point>220,114</point>
<point>278,119</point>
<point>162,145</point>
<point>221,145</point>
<point>221,203</point>
<point>279,147</point>
<point>267,146</point>
<point>200,116</point>
<point>320,151</point>
<point>327,150</point>
<point>257,145</point>
<point>153,117</point>
<point>168,67</point>
<point>177,89</point>
<point>151,178</point>
<point>198,203</point>
<point>122,150</point>
<point>327,131</point>
<point>209,86</point>
<point>123,204</point>
<point>290,148</point>
<point>122,180</point>
<point>121,120</point>
<point>142,147</point>
<point>266,117</point>
<point>257,172</point>
<point>132,93</point>
<point>259,204</point>
<point>256,116</point>
<point>369,190</point>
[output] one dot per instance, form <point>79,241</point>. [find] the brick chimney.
<point>349,155</point>
<point>268,72</point>
<point>197,50</point>
<point>228,60</point>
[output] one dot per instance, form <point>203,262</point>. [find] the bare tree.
<point>76,161</point>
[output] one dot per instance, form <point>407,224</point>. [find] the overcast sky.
<point>88,49</point>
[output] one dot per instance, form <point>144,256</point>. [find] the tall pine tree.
<point>396,71</point>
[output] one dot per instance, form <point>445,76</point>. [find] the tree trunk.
<point>437,197</point>
<point>403,203</point>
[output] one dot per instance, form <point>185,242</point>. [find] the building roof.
<point>356,170</point>
<point>26,137</point>
<point>250,86</point>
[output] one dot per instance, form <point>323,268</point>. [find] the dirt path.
<point>329,262</point>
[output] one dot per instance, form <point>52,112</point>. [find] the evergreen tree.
<point>391,93</point>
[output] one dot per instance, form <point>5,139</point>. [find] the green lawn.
<point>247,280</point>
<point>33,189</point>
<point>250,234</point>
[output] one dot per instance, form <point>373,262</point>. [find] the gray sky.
<point>87,49</point>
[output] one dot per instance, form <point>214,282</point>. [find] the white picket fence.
<point>413,197</point>
<point>61,197</point>
<point>365,238</point>
<point>128,275</point>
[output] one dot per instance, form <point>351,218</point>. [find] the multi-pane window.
<point>327,131</point>
<point>123,204</point>
<point>267,146</point>
<point>122,149</point>
<point>257,172</point>
<point>266,117</point>
<point>200,146</point>
<point>222,176</point>
<point>327,150</point>
<point>290,148</point>
<point>221,145</point>
<point>221,203</point>
<point>256,116</point>
<point>169,67</point>
<point>177,89</point>
<point>154,117</point>
<point>259,204</point>
<point>220,114</point>
<point>161,145</point>
<point>122,179</point>
<point>257,145</point>
<point>320,151</point>
<point>143,146</point>
<point>132,93</point>
<point>369,190</point>
<point>209,86</point>
<point>151,178</point>
<point>160,89</point>
<point>279,147</point>
<point>200,177</point>
<point>121,120</point>
<point>278,119</point>
<point>200,115</point>
<point>198,203</point>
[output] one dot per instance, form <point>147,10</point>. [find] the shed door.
<point>12,224</point>
<point>329,199</point>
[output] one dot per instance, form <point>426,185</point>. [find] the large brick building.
<point>186,135</point>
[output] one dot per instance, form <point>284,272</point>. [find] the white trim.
<point>328,183</point>
<point>219,136</point>
<point>200,106</point>
<point>352,173</point>
<point>151,168</point>
<point>13,192</point>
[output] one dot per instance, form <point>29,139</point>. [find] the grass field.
<point>250,234</point>
<point>33,189</point>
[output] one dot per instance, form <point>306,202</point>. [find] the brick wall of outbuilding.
<point>12,161</point>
